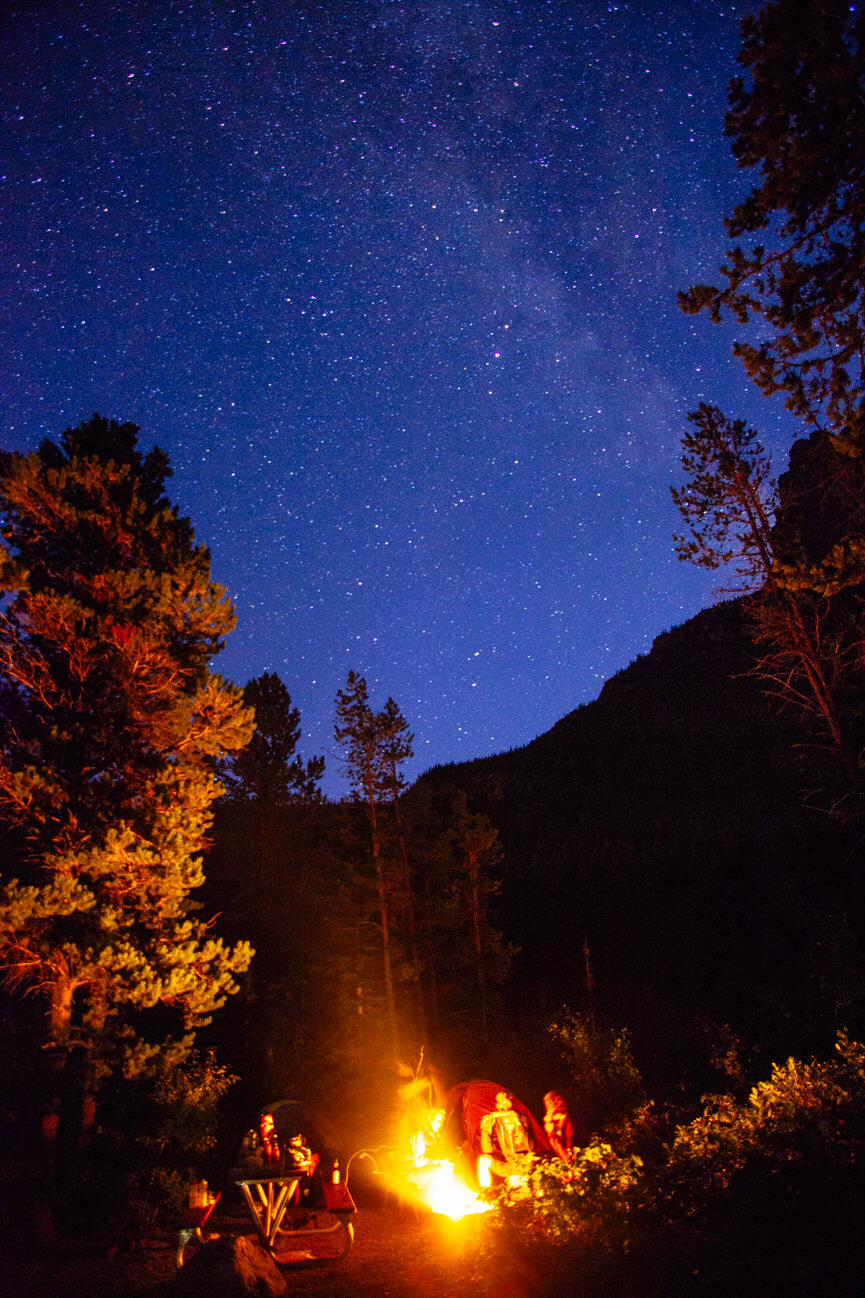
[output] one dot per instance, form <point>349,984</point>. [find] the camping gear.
<point>469,1108</point>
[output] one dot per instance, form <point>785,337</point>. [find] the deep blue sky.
<point>393,283</point>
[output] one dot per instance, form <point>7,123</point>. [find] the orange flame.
<point>439,1187</point>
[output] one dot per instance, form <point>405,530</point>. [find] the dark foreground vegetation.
<point>753,1195</point>
<point>656,908</point>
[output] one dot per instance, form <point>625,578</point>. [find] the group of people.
<point>492,1128</point>
<point>507,1138</point>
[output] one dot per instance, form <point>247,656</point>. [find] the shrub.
<point>171,1140</point>
<point>751,1197</point>
<point>814,1109</point>
<point>603,1074</point>
<point>559,1200</point>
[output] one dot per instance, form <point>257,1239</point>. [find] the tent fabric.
<point>466,1104</point>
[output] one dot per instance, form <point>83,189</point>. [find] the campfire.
<point>434,1180</point>
<point>456,1159</point>
<point>446,1194</point>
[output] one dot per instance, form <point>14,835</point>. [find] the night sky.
<point>393,283</point>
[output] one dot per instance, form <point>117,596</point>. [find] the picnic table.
<point>270,1201</point>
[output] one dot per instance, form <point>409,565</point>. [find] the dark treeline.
<point>373,919</point>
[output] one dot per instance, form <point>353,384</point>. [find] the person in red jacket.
<point>559,1125</point>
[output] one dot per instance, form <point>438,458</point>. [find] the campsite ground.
<point>397,1253</point>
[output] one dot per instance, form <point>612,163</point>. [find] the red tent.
<point>466,1104</point>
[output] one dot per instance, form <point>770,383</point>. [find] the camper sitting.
<point>506,1143</point>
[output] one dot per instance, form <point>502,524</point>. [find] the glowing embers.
<point>438,1186</point>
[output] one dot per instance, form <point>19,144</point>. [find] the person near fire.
<point>505,1139</point>
<point>558,1125</point>
<point>565,1132</point>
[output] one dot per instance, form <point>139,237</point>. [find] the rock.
<point>232,1266</point>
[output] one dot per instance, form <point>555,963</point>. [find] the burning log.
<point>444,1192</point>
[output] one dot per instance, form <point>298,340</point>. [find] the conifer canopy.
<point>112,726</point>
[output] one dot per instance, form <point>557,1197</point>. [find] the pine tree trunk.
<point>384,916</point>
<point>385,924</point>
<point>479,954</point>
<point>48,1171</point>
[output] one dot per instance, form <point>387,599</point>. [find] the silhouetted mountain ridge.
<point>663,824</point>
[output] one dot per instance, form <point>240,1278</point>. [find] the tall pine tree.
<point>797,118</point>
<point>264,876</point>
<point>112,729</point>
<point>374,746</point>
<point>477,854</point>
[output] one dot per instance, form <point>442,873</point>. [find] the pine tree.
<point>396,748</point>
<point>798,116</point>
<point>291,871</point>
<point>730,504</point>
<point>109,746</point>
<point>264,876</point>
<point>374,746</point>
<point>728,500</point>
<point>267,770</point>
<point>477,854</point>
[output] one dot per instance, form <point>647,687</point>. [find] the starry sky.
<point>393,283</point>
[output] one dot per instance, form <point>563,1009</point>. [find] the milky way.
<point>394,285</point>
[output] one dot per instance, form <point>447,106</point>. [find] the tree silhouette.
<point>799,117</point>
<point>267,770</point>
<point>477,854</point>
<point>372,745</point>
<point>729,502</point>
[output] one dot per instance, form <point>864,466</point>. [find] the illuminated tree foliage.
<point>729,499</point>
<point>799,117</point>
<point>112,729</point>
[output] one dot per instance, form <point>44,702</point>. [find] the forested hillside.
<point>663,828</point>
<point>666,866</point>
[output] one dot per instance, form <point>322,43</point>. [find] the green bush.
<point>814,1110</point>
<point>558,1199</point>
<point>604,1077</point>
<point>164,1139</point>
<point>752,1197</point>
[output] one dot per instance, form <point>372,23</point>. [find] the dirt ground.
<point>396,1252</point>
